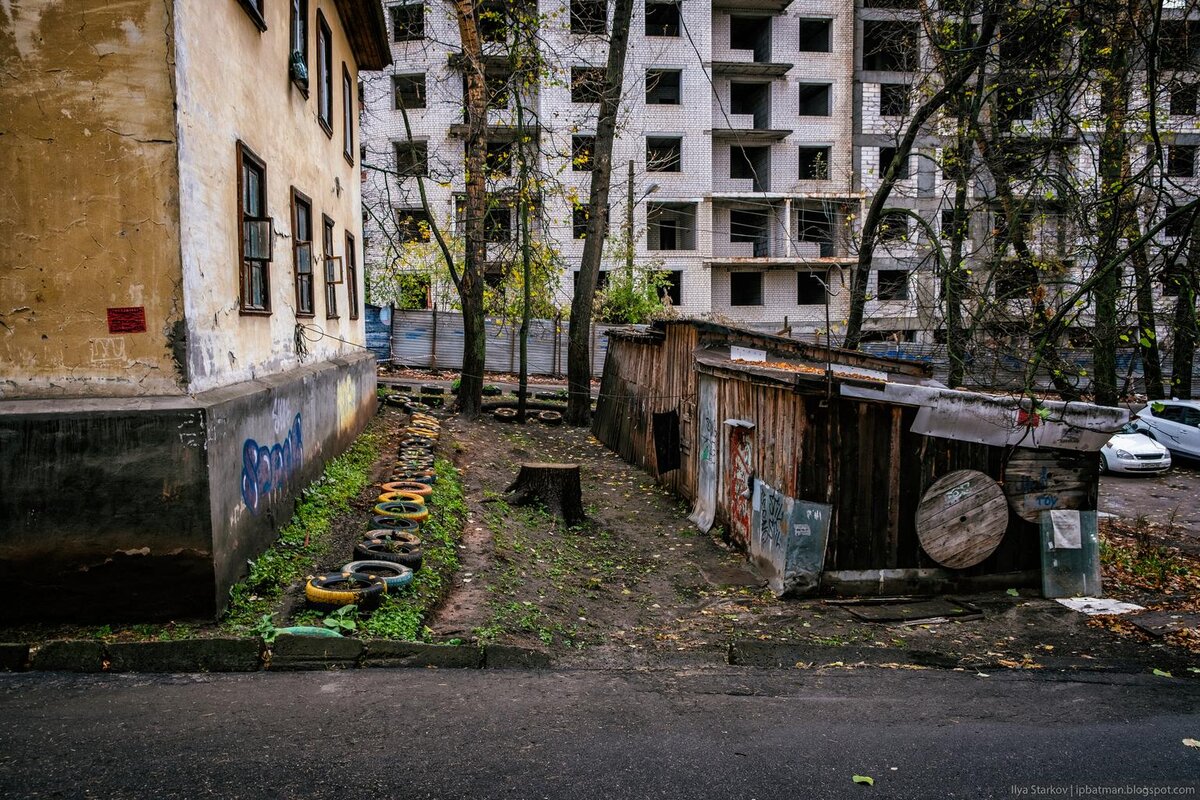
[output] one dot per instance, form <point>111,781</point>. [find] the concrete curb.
<point>389,653</point>
<point>186,655</point>
<point>500,656</point>
<point>68,656</point>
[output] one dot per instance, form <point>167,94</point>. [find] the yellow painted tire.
<point>403,509</point>
<point>412,497</point>
<point>366,590</point>
<point>412,487</point>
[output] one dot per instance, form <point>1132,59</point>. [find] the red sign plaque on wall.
<point>127,320</point>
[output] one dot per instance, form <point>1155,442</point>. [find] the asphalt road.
<point>721,733</point>
<point>1172,497</point>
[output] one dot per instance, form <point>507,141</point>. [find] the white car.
<point>1173,423</point>
<point>1131,451</point>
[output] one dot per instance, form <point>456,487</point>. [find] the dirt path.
<point>639,584</point>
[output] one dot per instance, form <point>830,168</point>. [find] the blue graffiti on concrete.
<point>267,472</point>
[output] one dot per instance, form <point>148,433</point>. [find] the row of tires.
<point>507,414</point>
<point>390,551</point>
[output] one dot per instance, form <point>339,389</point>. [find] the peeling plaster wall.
<point>88,200</point>
<point>232,84</point>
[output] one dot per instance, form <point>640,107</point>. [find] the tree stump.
<point>556,486</point>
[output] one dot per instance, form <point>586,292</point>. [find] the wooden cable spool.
<point>962,518</point>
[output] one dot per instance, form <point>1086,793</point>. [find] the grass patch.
<point>402,615</point>
<point>305,538</point>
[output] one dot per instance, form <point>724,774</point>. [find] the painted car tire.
<point>379,550</point>
<point>397,538</point>
<point>396,576</point>
<point>551,418</point>
<point>412,497</point>
<point>349,588</point>
<point>403,509</point>
<point>395,524</point>
<point>415,487</point>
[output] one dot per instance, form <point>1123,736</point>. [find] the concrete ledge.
<point>13,657</point>
<point>388,653</point>
<point>69,656</point>
<point>501,656</point>
<point>188,655</point>
<point>290,652</point>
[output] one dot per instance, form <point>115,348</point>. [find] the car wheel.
<point>1103,465</point>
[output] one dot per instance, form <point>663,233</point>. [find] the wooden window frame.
<point>347,116</point>
<point>244,155</point>
<point>324,74</point>
<point>254,10</point>
<point>351,265</point>
<point>328,261</point>
<point>302,19</point>
<point>298,198</point>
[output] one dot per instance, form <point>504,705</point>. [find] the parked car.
<point>1173,423</point>
<point>1131,451</point>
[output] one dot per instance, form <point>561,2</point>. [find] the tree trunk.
<point>556,486</point>
<point>1147,333</point>
<point>1183,353</point>
<point>470,289</point>
<point>579,356</point>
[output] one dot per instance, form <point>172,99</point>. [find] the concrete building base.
<point>150,508</point>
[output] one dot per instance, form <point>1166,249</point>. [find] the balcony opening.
<point>582,148</point>
<point>751,163</point>
<point>662,19</point>
<point>815,35</point>
<point>1183,100</point>
<point>587,84</point>
<point>745,289</point>
<point>1015,280</point>
<point>671,226</point>
<point>663,87</point>
<point>409,90</point>
<point>814,99</point>
<point>811,288</point>
<point>889,46</point>
<point>1179,44</point>
<point>893,227</point>
<point>751,227</point>
<point>814,226</point>
<point>751,99</point>
<point>751,33</point>
<point>814,163</point>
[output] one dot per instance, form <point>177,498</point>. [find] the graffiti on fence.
<point>267,472</point>
<point>787,539</point>
<point>741,460</point>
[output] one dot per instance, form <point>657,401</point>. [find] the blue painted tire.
<point>395,575</point>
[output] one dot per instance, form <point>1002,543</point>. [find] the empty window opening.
<point>891,284</point>
<point>497,224</point>
<point>751,163</point>
<point>1183,100</point>
<point>663,87</point>
<point>588,16</point>
<point>814,99</point>
<point>893,99</point>
<point>751,227</point>
<point>587,84</point>
<point>662,19</point>
<point>412,159</point>
<point>664,153</point>
<point>745,289</point>
<point>670,288</point>
<point>815,35</point>
<point>886,156</point>
<point>579,221</point>
<point>410,91</point>
<point>1179,44</point>
<point>893,226</point>
<point>1015,280</point>
<point>814,163</point>
<point>753,99</point>
<point>751,33</point>
<point>582,148</point>
<point>889,46</point>
<point>670,226</point>
<point>811,288</point>
<point>1181,161</point>
<point>408,22</point>
<point>412,225</point>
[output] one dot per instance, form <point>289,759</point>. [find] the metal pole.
<point>629,227</point>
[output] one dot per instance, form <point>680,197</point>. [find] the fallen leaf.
<point>1013,593</point>
<point>1191,742</point>
<point>867,779</point>
<point>1162,673</point>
